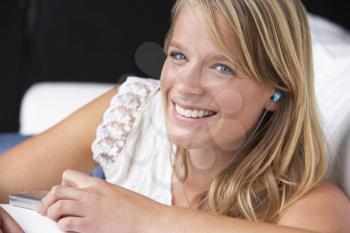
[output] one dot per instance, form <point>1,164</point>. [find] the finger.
<point>74,224</point>
<point>59,193</point>
<point>8,224</point>
<point>63,208</point>
<point>78,179</point>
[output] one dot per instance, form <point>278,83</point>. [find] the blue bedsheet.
<point>8,140</point>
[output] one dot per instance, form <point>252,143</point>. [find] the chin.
<point>184,142</point>
<point>189,142</point>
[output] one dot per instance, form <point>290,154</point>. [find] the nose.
<point>189,82</point>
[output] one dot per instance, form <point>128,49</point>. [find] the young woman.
<point>228,141</point>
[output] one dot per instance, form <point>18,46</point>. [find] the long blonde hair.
<point>285,159</point>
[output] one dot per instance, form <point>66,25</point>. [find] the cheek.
<point>167,78</point>
<point>229,101</point>
<point>165,82</point>
<point>238,116</point>
<point>228,133</point>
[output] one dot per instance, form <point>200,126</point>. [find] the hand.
<point>7,224</point>
<point>86,204</point>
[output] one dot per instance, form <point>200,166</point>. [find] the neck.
<point>204,165</point>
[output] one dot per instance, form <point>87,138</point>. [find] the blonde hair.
<point>285,159</point>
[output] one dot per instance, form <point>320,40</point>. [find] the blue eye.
<point>224,69</point>
<point>178,56</point>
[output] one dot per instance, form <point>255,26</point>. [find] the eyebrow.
<point>177,45</point>
<point>218,57</point>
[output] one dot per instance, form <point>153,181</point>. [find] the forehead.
<point>192,28</point>
<point>189,25</point>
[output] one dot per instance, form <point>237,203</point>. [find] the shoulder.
<point>133,92</point>
<point>138,85</point>
<point>324,209</point>
<point>131,95</point>
<point>121,118</point>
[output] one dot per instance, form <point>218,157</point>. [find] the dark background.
<point>86,40</point>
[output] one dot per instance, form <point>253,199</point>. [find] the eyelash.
<point>229,72</point>
<point>174,55</point>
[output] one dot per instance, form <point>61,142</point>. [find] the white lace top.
<point>131,143</point>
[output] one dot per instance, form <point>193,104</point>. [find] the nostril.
<point>190,89</point>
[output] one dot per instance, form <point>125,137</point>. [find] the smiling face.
<point>207,101</point>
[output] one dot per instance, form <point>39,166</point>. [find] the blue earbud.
<point>276,96</point>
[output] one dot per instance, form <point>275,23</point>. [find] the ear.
<point>270,105</point>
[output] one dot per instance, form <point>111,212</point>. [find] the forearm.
<point>31,166</point>
<point>181,220</point>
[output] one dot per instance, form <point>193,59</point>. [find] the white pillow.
<point>45,104</point>
<point>331,47</point>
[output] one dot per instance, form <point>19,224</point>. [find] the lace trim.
<point>119,118</point>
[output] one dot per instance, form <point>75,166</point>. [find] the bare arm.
<point>39,162</point>
<point>325,209</point>
<point>187,221</point>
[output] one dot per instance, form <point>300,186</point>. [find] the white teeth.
<point>201,113</point>
<point>192,113</point>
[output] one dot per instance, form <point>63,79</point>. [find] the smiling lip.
<point>191,107</point>
<point>188,121</point>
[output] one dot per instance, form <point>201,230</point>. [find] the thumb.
<point>7,223</point>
